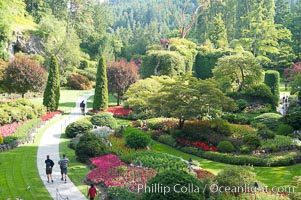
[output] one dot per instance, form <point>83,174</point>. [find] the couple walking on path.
<point>63,163</point>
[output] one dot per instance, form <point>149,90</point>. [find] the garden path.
<point>281,109</point>
<point>49,145</point>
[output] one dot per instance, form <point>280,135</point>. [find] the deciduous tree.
<point>238,71</point>
<point>23,75</point>
<point>121,74</point>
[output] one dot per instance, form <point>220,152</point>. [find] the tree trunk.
<point>118,99</point>
<point>181,123</point>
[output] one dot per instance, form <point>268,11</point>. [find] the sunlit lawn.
<point>272,176</point>
<point>19,173</point>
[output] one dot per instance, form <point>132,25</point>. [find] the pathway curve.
<point>49,145</point>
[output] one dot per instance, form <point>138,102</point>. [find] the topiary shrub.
<point>78,127</point>
<point>272,79</point>
<point>11,140</point>
<point>225,147</point>
<point>79,82</point>
<point>167,139</point>
<point>174,180</point>
<point>135,138</point>
<point>251,141</point>
<point>104,119</point>
<point>89,146</point>
<point>271,120</point>
<point>284,129</point>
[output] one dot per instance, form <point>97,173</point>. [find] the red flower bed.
<point>112,172</point>
<point>50,115</point>
<point>197,144</point>
<point>9,129</point>
<point>117,111</point>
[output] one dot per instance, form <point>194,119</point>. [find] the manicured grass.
<point>19,173</point>
<point>112,101</point>
<point>67,100</point>
<point>272,176</point>
<point>77,171</point>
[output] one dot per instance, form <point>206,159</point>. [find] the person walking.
<point>82,106</point>
<point>64,162</point>
<point>49,165</point>
<point>92,192</point>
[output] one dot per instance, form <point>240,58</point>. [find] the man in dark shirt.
<point>49,165</point>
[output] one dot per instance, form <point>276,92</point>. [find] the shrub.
<point>251,141</point>
<point>191,150</point>
<point>225,147</point>
<point>4,117</point>
<point>272,79</point>
<point>263,92</point>
<point>11,140</point>
<point>271,120</point>
<point>135,138</point>
<point>168,179</point>
<point>89,146</point>
<point>278,142</point>
<point>242,104</point>
<point>285,129</point>
<point>79,82</point>
<point>78,127</point>
<point>118,193</point>
<point>245,149</point>
<point>220,126</point>
<point>293,119</point>
<point>154,123</point>
<point>236,176</point>
<point>104,119</point>
<point>238,131</point>
<point>1,139</point>
<point>167,139</point>
<point>237,119</point>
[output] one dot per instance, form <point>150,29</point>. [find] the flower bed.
<point>9,129</point>
<point>112,172</point>
<point>197,144</point>
<point>50,115</point>
<point>118,111</point>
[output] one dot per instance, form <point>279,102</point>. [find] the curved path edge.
<point>49,145</point>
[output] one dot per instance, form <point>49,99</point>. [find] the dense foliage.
<point>136,138</point>
<point>104,119</point>
<point>78,127</point>
<point>23,75</point>
<point>51,96</point>
<point>100,101</point>
<point>90,146</point>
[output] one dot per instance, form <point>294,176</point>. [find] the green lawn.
<point>272,176</point>
<point>19,171</point>
<point>77,171</point>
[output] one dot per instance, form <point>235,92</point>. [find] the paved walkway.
<point>49,145</point>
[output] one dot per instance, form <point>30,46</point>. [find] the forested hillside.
<point>76,31</point>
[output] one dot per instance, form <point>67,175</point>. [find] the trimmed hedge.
<point>78,127</point>
<point>104,119</point>
<point>225,147</point>
<point>79,82</point>
<point>167,139</point>
<point>272,79</point>
<point>282,160</point>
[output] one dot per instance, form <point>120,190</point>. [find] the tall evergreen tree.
<point>52,91</point>
<point>101,89</point>
<point>218,33</point>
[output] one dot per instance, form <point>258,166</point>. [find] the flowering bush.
<point>112,172</point>
<point>197,144</point>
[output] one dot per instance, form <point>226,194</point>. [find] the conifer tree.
<point>101,89</point>
<point>52,91</point>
